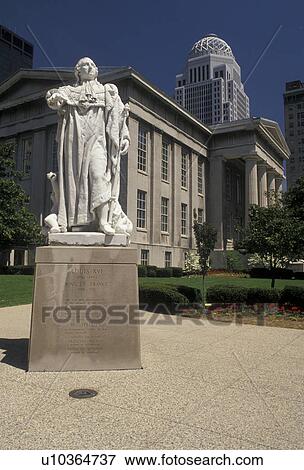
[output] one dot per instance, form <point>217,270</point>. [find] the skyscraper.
<point>294,130</point>
<point>210,86</point>
<point>15,53</point>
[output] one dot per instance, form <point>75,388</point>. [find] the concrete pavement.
<point>203,386</point>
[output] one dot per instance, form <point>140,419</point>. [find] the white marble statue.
<point>92,135</point>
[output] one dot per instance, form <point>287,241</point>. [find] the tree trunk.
<point>203,294</point>
<point>272,282</point>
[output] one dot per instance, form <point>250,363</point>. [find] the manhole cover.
<point>83,393</point>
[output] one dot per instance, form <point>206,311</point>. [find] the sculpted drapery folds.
<point>92,135</point>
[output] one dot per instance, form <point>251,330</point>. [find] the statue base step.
<point>85,309</point>
<point>88,239</point>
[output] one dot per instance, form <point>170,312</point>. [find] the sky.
<point>154,37</point>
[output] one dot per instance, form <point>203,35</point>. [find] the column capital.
<point>252,157</point>
<point>263,164</point>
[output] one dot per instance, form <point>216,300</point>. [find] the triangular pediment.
<point>28,84</point>
<point>273,130</point>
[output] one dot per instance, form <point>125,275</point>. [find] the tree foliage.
<point>294,199</point>
<point>18,226</point>
<point>275,234</point>
<point>205,237</point>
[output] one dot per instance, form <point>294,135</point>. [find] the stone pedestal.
<point>85,313</point>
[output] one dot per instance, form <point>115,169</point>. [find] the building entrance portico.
<point>246,164</point>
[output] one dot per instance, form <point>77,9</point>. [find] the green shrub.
<point>265,273</point>
<point>234,261</point>
<point>299,275</point>
<point>193,294</point>
<point>164,272</point>
<point>151,271</point>
<point>142,270</point>
<point>227,294</point>
<point>292,296</point>
<point>177,272</point>
<point>257,295</point>
<point>26,270</point>
<point>161,299</point>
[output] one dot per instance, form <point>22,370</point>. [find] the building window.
<point>200,185</point>
<point>184,170</point>
<point>164,207</point>
<point>142,149</point>
<point>184,219</point>
<point>168,259</point>
<point>165,161</point>
<point>200,216</point>
<point>141,208</point>
<point>144,257</point>
<point>26,155</point>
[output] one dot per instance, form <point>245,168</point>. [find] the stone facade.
<point>175,163</point>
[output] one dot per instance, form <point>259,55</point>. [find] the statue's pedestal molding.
<point>88,239</point>
<point>85,309</point>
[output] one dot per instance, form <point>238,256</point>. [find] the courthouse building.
<point>176,164</point>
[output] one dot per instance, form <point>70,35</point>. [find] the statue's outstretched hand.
<point>55,100</point>
<point>124,147</point>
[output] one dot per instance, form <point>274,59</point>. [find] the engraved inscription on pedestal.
<point>85,317</point>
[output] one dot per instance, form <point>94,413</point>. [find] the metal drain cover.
<point>83,393</point>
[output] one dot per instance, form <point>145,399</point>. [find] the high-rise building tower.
<point>15,53</point>
<point>294,130</point>
<point>211,87</point>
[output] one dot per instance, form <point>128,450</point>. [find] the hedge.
<point>169,295</point>
<point>164,272</point>
<point>17,270</point>
<point>278,273</point>
<point>154,271</point>
<point>151,271</point>
<point>299,275</point>
<point>246,295</point>
<point>142,270</point>
<point>258,295</point>
<point>227,294</point>
<point>161,299</point>
<point>293,296</point>
<point>177,272</point>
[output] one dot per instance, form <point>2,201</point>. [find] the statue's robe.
<point>91,127</point>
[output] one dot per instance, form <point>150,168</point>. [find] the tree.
<point>275,234</point>
<point>294,199</point>
<point>18,226</point>
<point>192,263</point>
<point>205,237</point>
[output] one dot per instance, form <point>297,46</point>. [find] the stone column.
<point>251,184</point>
<point>279,185</point>
<point>270,184</point>
<point>215,210</point>
<point>262,184</point>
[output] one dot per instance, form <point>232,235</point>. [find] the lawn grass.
<point>17,289</point>
<point>217,280</point>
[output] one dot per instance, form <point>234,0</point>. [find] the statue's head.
<point>85,69</point>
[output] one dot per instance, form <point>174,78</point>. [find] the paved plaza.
<point>202,386</point>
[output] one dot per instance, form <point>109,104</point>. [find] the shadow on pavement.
<point>15,352</point>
